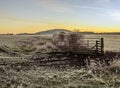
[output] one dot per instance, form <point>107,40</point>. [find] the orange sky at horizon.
<point>31,16</point>
<point>18,25</point>
<point>34,29</point>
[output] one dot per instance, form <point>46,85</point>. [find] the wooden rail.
<point>89,46</point>
<point>95,44</point>
<point>75,45</point>
<point>100,46</point>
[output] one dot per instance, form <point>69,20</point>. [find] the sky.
<point>30,16</point>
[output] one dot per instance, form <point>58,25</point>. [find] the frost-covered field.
<point>18,68</point>
<point>112,41</point>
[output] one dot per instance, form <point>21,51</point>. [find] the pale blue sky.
<point>82,14</point>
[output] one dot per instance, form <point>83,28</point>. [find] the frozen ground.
<point>18,68</point>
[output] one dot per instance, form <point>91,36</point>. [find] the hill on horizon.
<point>52,31</point>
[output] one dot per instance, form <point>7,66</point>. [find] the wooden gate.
<point>76,44</point>
<point>90,46</point>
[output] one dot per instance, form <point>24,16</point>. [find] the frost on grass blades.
<point>26,62</point>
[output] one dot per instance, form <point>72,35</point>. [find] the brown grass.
<point>24,71</point>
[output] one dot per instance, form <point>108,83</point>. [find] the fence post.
<point>102,45</point>
<point>88,43</point>
<point>96,46</point>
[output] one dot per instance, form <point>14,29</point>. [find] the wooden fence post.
<point>87,43</point>
<point>102,45</point>
<point>96,46</point>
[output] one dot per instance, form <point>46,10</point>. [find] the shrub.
<point>72,41</point>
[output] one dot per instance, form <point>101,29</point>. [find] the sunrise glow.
<point>30,16</point>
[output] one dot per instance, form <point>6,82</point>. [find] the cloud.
<point>110,13</point>
<point>102,1</point>
<point>55,5</point>
<point>115,14</point>
<point>90,7</point>
<point>97,8</point>
<point>11,18</point>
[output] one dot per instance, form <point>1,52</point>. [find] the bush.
<point>72,41</point>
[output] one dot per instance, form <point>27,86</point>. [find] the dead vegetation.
<point>72,42</point>
<point>22,65</point>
